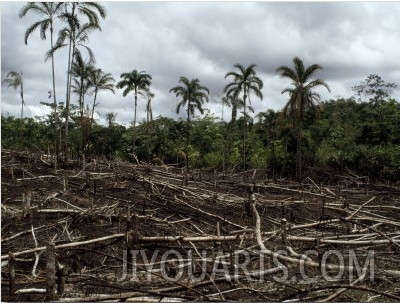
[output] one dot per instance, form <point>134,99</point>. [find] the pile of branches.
<point>124,232</point>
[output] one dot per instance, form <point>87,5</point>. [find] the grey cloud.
<point>204,39</point>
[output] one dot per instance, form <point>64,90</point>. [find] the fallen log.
<point>30,291</point>
<point>35,178</point>
<point>140,240</point>
<point>67,245</point>
<point>341,242</point>
<point>211,215</point>
<point>188,239</point>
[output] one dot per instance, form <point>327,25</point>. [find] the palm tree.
<point>110,117</point>
<point>235,104</point>
<point>301,97</point>
<point>15,80</point>
<point>149,118</point>
<point>100,80</point>
<point>193,96</point>
<point>79,40</point>
<point>49,11</point>
<point>138,82</point>
<point>81,72</point>
<point>76,35</point>
<point>74,32</point>
<point>245,82</point>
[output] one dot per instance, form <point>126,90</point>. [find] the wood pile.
<point>115,231</point>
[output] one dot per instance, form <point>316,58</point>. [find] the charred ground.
<point>149,208</point>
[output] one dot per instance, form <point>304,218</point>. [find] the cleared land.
<point>108,211</point>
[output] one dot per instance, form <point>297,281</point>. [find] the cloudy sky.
<point>203,40</point>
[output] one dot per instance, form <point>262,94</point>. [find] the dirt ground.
<point>161,211</point>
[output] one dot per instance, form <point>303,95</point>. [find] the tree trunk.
<point>56,139</point>
<point>187,136</point>
<point>50,272</point>
<point>244,131</point>
<point>22,105</point>
<point>134,126</point>
<point>147,131</point>
<point>81,106</point>
<point>22,108</point>
<point>273,160</point>
<point>298,156</point>
<point>67,101</point>
<point>93,106</point>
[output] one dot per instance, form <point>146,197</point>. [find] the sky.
<point>203,40</point>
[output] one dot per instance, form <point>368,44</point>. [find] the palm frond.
<point>30,30</point>
<point>301,95</point>
<point>318,82</point>
<point>299,68</point>
<point>307,74</point>
<point>287,72</point>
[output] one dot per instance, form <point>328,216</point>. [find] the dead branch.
<point>208,214</point>
<point>264,250</point>
<point>35,178</point>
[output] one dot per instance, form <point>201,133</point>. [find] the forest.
<point>296,204</point>
<point>336,135</point>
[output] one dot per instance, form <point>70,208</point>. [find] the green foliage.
<point>374,88</point>
<point>25,134</point>
<point>361,137</point>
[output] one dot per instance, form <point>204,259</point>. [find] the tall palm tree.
<point>81,72</point>
<point>73,10</point>
<point>193,96</point>
<point>99,80</point>
<point>76,35</point>
<point>245,82</point>
<point>79,39</point>
<point>149,118</point>
<point>15,80</point>
<point>301,97</point>
<point>138,82</point>
<point>49,11</point>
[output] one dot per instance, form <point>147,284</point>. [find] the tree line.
<point>305,135</point>
<point>336,135</point>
